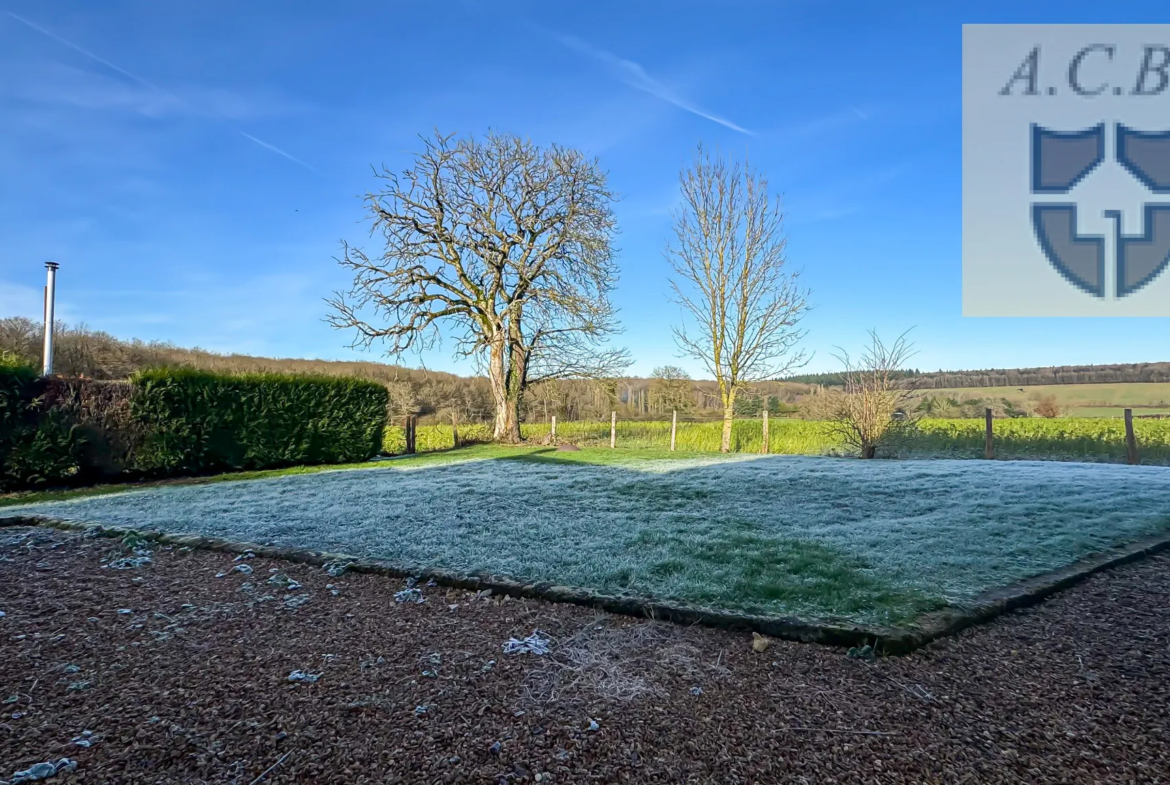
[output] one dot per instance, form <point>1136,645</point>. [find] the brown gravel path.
<point>191,685</point>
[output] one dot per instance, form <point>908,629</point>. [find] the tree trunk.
<point>517,382</point>
<point>507,423</point>
<point>509,428</point>
<point>868,450</point>
<point>728,414</point>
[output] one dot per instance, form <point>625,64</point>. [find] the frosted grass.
<point>875,541</point>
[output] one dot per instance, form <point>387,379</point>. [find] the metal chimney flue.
<point>50,312</point>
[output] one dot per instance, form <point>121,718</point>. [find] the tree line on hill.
<point>1121,373</point>
<point>93,354</point>
<point>437,396</point>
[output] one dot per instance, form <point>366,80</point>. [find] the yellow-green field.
<point>1079,400</point>
<point>1113,411</point>
<point>1062,439</point>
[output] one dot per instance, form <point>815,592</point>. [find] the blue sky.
<point>194,167</point>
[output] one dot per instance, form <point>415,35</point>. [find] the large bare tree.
<point>733,280</point>
<point>504,246</point>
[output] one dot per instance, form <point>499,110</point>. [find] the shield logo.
<point>1060,161</point>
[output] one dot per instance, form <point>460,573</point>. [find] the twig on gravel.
<point>824,695</point>
<point>269,770</point>
<point>615,661</point>
<point>918,691</point>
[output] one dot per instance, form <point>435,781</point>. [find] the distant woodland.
<point>81,351</point>
<point>1017,377</point>
<point>438,396</point>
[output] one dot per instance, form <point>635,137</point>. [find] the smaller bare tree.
<point>1046,406</point>
<point>733,280</point>
<point>671,388</point>
<point>876,406</point>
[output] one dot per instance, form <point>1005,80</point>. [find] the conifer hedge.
<point>198,422</point>
<point>168,422</point>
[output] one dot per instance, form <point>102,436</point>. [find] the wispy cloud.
<point>20,300</point>
<point>819,128</point>
<point>56,83</point>
<point>146,83</point>
<point>90,55</point>
<point>844,198</point>
<point>634,75</point>
<point>276,150</point>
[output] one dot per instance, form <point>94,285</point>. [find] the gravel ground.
<point>171,674</point>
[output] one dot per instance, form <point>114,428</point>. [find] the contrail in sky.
<point>277,150</point>
<point>634,75</point>
<point>144,83</point>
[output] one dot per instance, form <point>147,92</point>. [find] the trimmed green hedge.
<point>198,422</point>
<point>170,422</point>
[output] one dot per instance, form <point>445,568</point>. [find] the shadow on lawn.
<point>750,570</point>
<point>620,458</point>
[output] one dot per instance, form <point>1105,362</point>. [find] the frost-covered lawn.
<point>874,541</point>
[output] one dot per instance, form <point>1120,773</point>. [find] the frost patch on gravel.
<point>42,771</point>
<point>945,528</point>
<point>533,644</point>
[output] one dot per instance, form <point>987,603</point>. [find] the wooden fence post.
<point>764,447</point>
<point>454,430</point>
<point>554,429</point>
<point>612,430</point>
<point>409,434</point>
<point>1131,450</point>
<point>989,446</point>
<point>673,427</point>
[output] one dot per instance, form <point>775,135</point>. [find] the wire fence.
<point>1069,439</point>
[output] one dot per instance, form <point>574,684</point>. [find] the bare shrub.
<point>876,406</point>
<point>671,389</point>
<point>1046,406</point>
